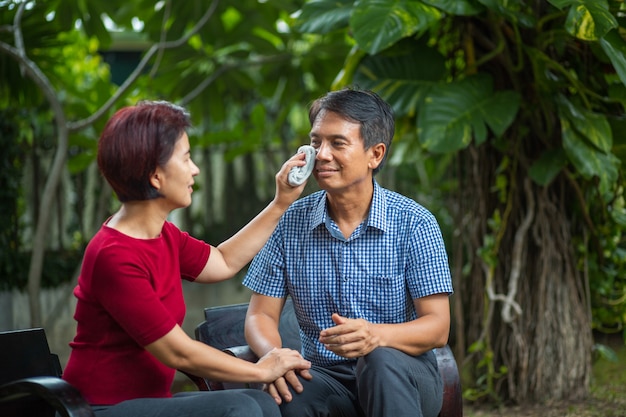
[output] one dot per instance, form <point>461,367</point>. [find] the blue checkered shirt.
<point>393,257</point>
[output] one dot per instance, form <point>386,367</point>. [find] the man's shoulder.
<point>396,201</point>
<point>308,202</point>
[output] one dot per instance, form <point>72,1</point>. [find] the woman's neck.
<point>139,219</point>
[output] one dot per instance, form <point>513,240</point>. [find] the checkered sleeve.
<point>266,274</point>
<point>428,271</point>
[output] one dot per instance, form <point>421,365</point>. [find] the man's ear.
<point>377,153</point>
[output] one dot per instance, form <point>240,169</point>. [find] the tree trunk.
<point>526,303</point>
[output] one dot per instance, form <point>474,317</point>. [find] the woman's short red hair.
<point>137,140</point>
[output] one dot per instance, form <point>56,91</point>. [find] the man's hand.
<point>350,338</point>
<point>279,389</point>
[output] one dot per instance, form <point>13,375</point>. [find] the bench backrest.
<point>24,354</point>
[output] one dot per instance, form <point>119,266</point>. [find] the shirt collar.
<point>377,216</point>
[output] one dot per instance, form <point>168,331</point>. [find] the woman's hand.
<point>282,372</point>
<point>285,192</point>
<point>277,362</point>
<point>230,256</point>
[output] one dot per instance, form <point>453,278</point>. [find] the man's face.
<point>341,162</point>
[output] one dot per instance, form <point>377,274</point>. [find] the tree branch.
<point>166,16</point>
<point>226,67</point>
<point>17,33</point>
<point>78,125</point>
<point>39,240</point>
<point>516,263</point>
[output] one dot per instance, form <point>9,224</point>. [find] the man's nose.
<point>323,152</point>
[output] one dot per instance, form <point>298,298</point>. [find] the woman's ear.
<point>377,154</point>
<point>155,180</point>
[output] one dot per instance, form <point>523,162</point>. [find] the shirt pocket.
<point>377,298</point>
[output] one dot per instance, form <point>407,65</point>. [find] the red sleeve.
<point>194,253</point>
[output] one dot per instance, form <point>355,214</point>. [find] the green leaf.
<point>454,113</point>
<point>350,66</point>
<point>548,166</point>
<point>590,19</point>
<point>593,127</point>
<point>615,48</point>
<point>403,78</point>
<point>499,111</point>
<point>457,7</point>
<point>324,16</point>
<point>378,24</point>
<point>588,160</point>
<point>605,352</point>
<point>587,19</point>
<point>619,215</point>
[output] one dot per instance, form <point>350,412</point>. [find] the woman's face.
<point>175,180</point>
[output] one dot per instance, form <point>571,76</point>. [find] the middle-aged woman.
<point>130,307</point>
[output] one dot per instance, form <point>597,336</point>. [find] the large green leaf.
<point>378,24</point>
<point>455,113</point>
<point>323,16</point>
<point>402,78</point>
<point>587,19</point>
<point>588,160</point>
<point>615,48</point>
<point>350,66</point>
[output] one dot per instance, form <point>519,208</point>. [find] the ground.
<point>607,397</point>
<point>590,408</point>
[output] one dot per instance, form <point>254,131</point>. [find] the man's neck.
<point>349,209</point>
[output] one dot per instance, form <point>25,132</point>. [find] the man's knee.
<point>382,363</point>
<point>263,402</point>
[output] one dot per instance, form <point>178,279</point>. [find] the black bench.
<point>223,329</point>
<point>30,379</point>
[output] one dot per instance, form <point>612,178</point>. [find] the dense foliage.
<point>510,128</point>
<point>529,97</point>
<point>244,75</point>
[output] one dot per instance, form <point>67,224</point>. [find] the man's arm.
<point>262,318</point>
<point>261,331</point>
<point>353,338</point>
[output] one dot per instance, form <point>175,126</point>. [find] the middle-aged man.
<point>368,274</point>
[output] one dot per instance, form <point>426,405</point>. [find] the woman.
<point>130,307</point>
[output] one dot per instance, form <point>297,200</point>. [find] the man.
<point>368,274</point>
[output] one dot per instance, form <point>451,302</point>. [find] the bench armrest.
<point>242,352</point>
<point>59,394</point>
